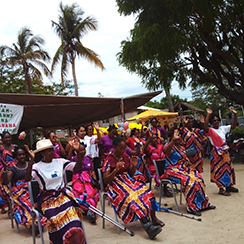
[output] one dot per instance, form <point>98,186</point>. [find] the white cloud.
<point>115,81</point>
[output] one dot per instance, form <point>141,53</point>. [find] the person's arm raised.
<point>28,176</point>
<point>205,126</point>
<point>168,148</point>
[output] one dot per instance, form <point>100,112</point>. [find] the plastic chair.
<point>11,208</point>
<point>34,191</point>
<point>68,175</point>
<point>160,167</point>
<point>103,197</point>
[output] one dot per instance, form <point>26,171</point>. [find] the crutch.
<point>84,203</point>
<point>181,214</point>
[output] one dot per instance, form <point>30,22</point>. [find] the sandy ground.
<point>222,225</point>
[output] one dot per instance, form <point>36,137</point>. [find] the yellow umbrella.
<point>152,113</point>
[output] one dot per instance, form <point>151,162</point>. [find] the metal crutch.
<point>84,203</point>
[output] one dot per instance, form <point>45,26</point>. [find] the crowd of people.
<point>126,163</point>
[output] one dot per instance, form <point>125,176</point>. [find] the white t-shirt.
<point>92,147</point>
<point>222,131</point>
<point>50,176</point>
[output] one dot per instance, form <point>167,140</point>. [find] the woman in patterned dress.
<point>177,169</point>
<point>81,182</point>
<point>222,170</point>
<point>127,191</point>
<point>56,202</point>
<point>20,191</point>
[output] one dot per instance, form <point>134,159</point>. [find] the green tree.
<point>200,41</point>
<point>70,28</point>
<point>207,96</point>
<point>163,104</point>
<point>12,81</point>
<point>27,53</point>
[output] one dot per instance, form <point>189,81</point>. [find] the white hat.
<point>43,145</point>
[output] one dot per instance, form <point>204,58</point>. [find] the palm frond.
<point>44,67</point>
<point>88,24</point>
<point>89,54</point>
<point>57,58</point>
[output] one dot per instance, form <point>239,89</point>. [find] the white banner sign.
<point>10,117</point>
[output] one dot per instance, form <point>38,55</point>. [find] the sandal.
<point>224,192</point>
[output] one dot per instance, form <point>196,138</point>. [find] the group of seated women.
<point>119,157</point>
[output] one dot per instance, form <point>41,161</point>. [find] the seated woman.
<point>134,141</point>
<point>57,146</point>
<point>177,170</point>
<point>20,191</point>
<point>222,170</point>
<point>127,191</point>
<point>155,151</point>
<point>82,183</point>
<point>92,145</point>
<point>56,202</point>
<point>6,161</point>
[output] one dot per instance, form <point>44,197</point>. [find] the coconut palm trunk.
<point>27,78</point>
<point>74,75</point>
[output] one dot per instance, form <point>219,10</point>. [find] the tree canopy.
<point>12,81</point>
<point>191,40</point>
<point>28,54</point>
<point>163,103</point>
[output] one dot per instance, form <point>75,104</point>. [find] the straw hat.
<point>43,145</point>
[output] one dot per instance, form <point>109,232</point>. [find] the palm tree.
<point>71,27</point>
<point>27,53</point>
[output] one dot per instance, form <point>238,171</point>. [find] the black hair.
<point>133,131</point>
<point>87,126</point>
<point>111,127</point>
<point>78,127</point>
<point>212,118</point>
<point>82,143</point>
<point>154,118</point>
<point>117,140</point>
<point>16,149</point>
<point>5,133</point>
<point>49,134</point>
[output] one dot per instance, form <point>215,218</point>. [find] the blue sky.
<point>115,81</point>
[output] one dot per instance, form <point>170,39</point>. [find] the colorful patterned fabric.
<point>129,196</point>
<point>64,216</point>
<point>154,153</point>
<point>22,205</point>
<point>221,168</point>
<point>195,139</point>
<point>81,183</point>
<point>57,151</point>
<point>192,182</point>
<point>4,190</point>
